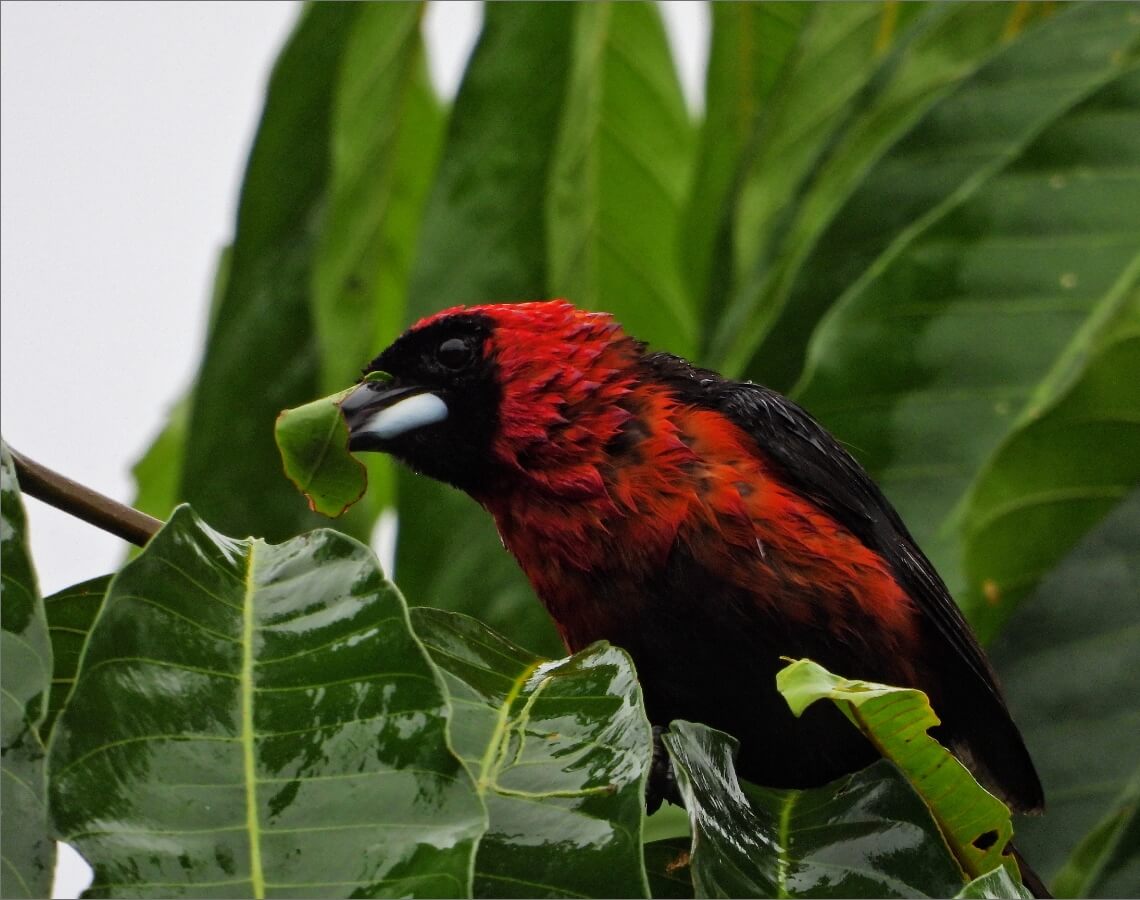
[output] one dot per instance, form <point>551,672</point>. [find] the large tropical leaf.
<point>865,835</point>
<point>484,236</point>
<point>748,48</point>
<point>386,129</point>
<point>620,172</point>
<point>328,214</point>
<point>28,855</point>
<point>924,363</point>
<point>802,235</point>
<point>1070,662</point>
<point>995,885</point>
<point>1074,455</point>
<point>826,69</point>
<point>258,720</point>
<point>559,751</point>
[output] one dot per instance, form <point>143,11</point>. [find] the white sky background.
<point>124,130</point>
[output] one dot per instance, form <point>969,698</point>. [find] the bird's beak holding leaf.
<point>378,412</point>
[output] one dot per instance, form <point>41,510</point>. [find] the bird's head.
<point>497,397</point>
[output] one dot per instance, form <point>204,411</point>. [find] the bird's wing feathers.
<point>815,464</point>
<point>809,458</point>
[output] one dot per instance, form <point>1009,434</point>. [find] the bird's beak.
<point>377,413</point>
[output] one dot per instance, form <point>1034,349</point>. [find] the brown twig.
<point>82,502</point>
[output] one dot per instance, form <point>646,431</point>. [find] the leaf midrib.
<point>249,761</point>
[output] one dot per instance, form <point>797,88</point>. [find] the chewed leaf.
<point>560,751</point>
<point>975,824</point>
<point>313,440</point>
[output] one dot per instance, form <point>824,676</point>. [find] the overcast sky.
<point>124,129</point>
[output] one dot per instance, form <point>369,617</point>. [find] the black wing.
<point>812,461</point>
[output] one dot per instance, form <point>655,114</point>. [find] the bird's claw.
<point>662,784</point>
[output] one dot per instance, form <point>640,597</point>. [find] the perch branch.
<point>82,502</point>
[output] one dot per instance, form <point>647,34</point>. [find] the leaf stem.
<point>80,501</point>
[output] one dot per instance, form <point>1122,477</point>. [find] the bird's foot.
<point>662,784</point>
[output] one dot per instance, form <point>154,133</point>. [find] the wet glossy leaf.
<point>1074,455</point>
<point>976,824</point>
<point>559,750</point>
<point>619,177</point>
<point>1070,663</point>
<point>258,720</point>
<point>28,855</point>
<point>313,440</point>
<point>865,835</point>
<point>926,360</point>
<point>70,615</point>
<point>995,885</point>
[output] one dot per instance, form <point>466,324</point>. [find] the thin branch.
<point>82,502</point>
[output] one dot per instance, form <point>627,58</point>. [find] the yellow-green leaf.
<point>976,824</point>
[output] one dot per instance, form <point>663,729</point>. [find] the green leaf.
<point>559,751</point>
<point>750,44</point>
<point>70,615</point>
<point>976,824</point>
<point>259,720</point>
<point>925,361</point>
<point>803,239</point>
<point>1074,455</point>
<point>995,885</point>
<point>28,856</point>
<point>667,865</point>
<point>620,173</point>
<point>1070,662</point>
<point>313,440</point>
<point>386,131</point>
<point>1107,862</point>
<point>484,236</point>
<point>864,835</point>
<point>263,355</point>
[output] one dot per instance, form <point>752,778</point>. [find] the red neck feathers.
<point>603,472</point>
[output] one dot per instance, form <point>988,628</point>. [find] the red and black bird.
<point>708,527</point>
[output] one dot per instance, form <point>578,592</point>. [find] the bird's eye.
<point>454,354</point>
